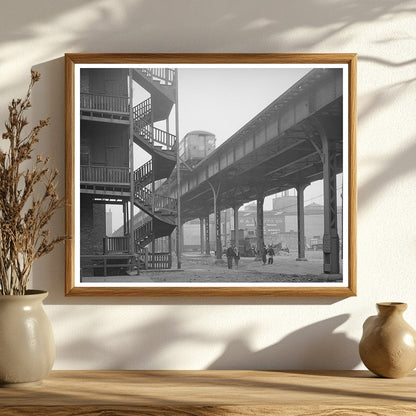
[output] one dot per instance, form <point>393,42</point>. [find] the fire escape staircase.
<point>161,145</point>
<point>157,142</point>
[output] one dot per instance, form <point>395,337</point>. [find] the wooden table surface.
<point>254,393</point>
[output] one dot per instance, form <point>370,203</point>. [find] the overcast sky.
<point>222,100</point>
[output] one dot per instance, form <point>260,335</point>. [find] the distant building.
<point>285,203</point>
<point>280,225</point>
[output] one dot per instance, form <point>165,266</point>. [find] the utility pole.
<point>131,163</point>
<point>178,177</point>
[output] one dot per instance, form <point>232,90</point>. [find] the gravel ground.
<point>202,269</point>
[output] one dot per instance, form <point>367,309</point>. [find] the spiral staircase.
<point>161,146</point>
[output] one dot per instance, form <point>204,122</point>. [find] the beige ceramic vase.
<point>388,345</point>
<point>27,347</point>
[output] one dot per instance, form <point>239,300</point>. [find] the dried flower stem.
<point>23,217</point>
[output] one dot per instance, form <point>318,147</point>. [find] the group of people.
<point>267,254</point>
<point>233,255</point>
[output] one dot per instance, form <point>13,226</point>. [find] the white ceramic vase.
<point>27,346</point>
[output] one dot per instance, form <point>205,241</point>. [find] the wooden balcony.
<point>113,108</point>
<point>104,175</point>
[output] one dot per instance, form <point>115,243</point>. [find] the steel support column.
<point>207,244</point>
<point>300,188</point>
<point>218,245</point>
<point>260,227</point>
<point>201,235</point>
<point>235,210</point>
<point>330,238</point>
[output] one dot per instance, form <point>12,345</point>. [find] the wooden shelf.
<point>202,393</point>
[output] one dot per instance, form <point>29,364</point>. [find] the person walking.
<point>230,255</point>
<point>264,254</point>
<point>270,254</point>
<point>236,256</point>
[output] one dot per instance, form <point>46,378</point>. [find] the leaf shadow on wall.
<point>152,345</point>
<point>138,346</point>
<point>250,20</point>
<point>397,166</point>
<point>316,346</point>
<point>131,25</point>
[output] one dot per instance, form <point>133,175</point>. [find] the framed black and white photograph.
<point>211,174</point>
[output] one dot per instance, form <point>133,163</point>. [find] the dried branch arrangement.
<point>28,199</point>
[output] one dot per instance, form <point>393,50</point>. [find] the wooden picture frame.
<point>305,134</point>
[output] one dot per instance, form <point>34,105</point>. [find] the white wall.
<point>199,333</point>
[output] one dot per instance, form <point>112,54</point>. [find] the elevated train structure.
<point>296,140</point>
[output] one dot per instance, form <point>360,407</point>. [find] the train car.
<point>195,146</point>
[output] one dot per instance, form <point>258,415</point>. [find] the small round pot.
<point>27,346</point>
<point>388,345</point>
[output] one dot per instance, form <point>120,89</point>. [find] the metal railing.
<point>154,135</point>
<point>155,260</point>
<point>104,174</point>
<point>143,194</point>
<point>116,244</point>
<point>160,260</point>
<point>142,128</point>
<point>143,232</point>
<point>165,76</point>
<point>142,110</point>
<point>155,200</point>
<point>165,202</point>
<point>142,173</point>
<point>102,102</point>
<point>163,137</point>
